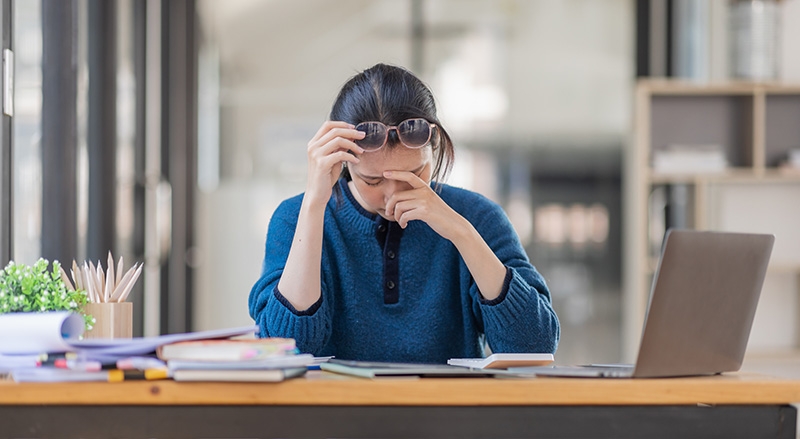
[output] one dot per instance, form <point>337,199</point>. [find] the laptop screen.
<point>703,302</point>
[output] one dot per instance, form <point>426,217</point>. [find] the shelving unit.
<point>756,125</point>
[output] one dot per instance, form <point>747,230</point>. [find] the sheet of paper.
<point>281,362</point>
<point>36,333</point>
<point>120,348</point>
<point>13,362</point>
<point>53,375</point>
<point>53,332</point>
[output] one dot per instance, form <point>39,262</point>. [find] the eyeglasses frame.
<point>389,128</point>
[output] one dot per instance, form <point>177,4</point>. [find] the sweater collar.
<point>365,221</point>
<point>350,208</point>
<point>352,199</point>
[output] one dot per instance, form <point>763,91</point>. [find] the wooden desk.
<point>328,405</point>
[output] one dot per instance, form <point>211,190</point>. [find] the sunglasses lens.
<point>415,133</point>
<point>375,135</point>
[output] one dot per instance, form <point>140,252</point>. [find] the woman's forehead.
<point>394,159</point>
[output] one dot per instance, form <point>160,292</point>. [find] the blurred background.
<point>168,131</point>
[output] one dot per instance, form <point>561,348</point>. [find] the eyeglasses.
<point>413,133</point>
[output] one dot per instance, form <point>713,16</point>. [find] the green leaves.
<point>26,288</point>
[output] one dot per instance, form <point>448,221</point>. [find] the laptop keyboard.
<point>609,371</point>
<point>612,372</point>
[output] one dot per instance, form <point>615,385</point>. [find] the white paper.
<point>503,361</point>
<point>53,375</point>
<point>280,362</point>
<point>13,362</point>
<point>55,332</point>
<point>108,349</point>
<point>39,332</point>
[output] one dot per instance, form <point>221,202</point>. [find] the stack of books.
<point>47,347</point>
<point>265,359</point>
<point>690,159</point>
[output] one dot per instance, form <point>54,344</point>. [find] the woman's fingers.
<point>398,197</point>
<point>420,188</point>
<point>409,177</point>
<point>327,126</point>
<point>331,146</point>
<point>408,210</point>
<point>338,133</point>
<point>422,204</point>
<point>331,160</point>
<point>335,144</point>
<point>420,191</point>
<point>413,204</point>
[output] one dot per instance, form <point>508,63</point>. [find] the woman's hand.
<point>331,146</point>
<point>422,203</point>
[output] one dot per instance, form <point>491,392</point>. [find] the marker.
<point>140,363</point>
<point>50,359</point>
<point>79,365</point>
<point>118,375</point>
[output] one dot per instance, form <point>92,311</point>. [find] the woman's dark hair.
<point>392,94</point>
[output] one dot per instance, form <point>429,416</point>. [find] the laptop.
<point>374,369</point>
<point>701,310</point>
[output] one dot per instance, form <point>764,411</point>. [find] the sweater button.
<point>381,228</point>
<point>390,254</point>
<point>390,285</point>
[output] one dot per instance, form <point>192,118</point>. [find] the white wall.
<point>231,230</point>
<point>790,41</point>
<point>564,68</point>
<point>764,208</point>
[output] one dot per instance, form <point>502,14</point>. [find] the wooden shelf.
<point>777,88</point>
<point>755,124</point>
<point>673,87</point>
<point>783,269</point>
<point>732,175</point>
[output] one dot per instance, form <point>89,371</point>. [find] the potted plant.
<point>25,288</point>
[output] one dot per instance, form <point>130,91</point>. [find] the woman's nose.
<point>393,186</point>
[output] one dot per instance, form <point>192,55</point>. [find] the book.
<point>56,375</point>
<point>503,361</point>
<point>238,375</point>
<point>227,350</point>
<point>371,369</point>
<point>113,349</point>
<point>277,362</point>
<point>690,159</point>
<point>11,362</point>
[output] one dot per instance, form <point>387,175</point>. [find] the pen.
<point>50,359</point>
<point>141,363</point>
<point>118,375</point>
<point>79,365</point>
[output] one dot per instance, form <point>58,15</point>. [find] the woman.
<point>378,260</point>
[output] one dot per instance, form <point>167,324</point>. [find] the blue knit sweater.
<point>393,294</point>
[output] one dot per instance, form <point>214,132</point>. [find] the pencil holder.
<point>112,320</point>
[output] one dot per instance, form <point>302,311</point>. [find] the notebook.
<point>238,375</point>
<point>503,361</point>
<point>374,369</point>
<point>702,303</point>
